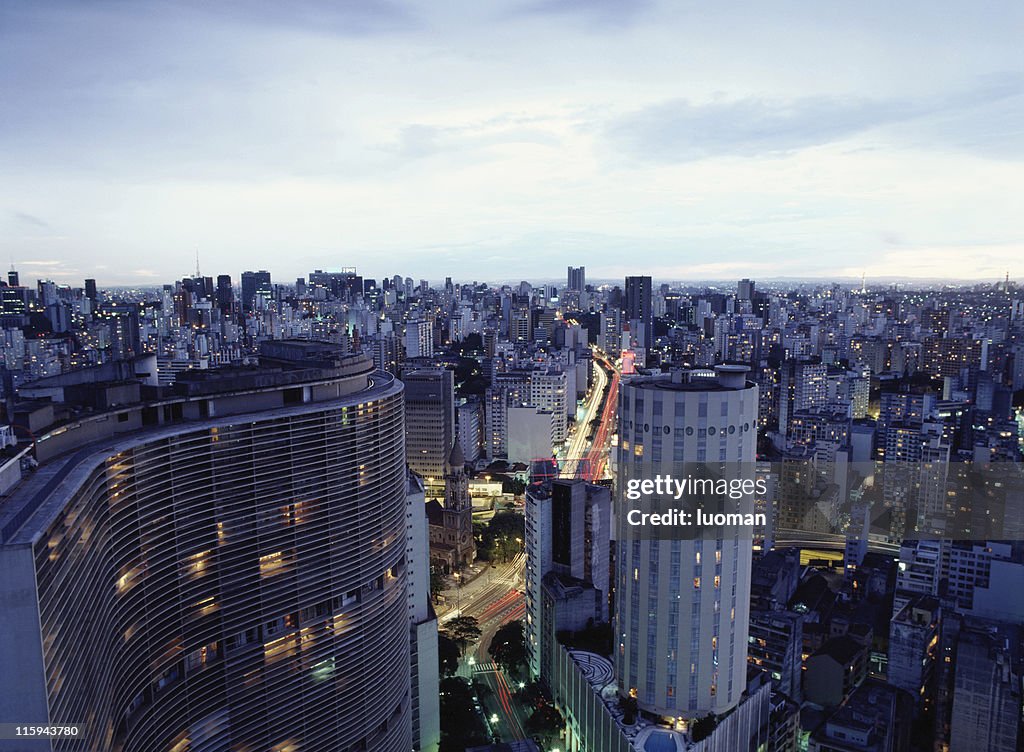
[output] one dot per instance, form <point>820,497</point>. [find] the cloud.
<point>982,118</point>
<point>30,219</point>
<point>680,131</point>
<point>40,263</point>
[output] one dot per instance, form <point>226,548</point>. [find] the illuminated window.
<point>127,579</point>
<point>696,583</point>
<point>282,647</point>
<point>196,564</point>
<point>207,606</point>
<point>272,563</point>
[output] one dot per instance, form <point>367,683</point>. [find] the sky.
<point>506,140</point>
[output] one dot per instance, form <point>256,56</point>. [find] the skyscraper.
<point>419,339</point>
<point>253,284</point>
<point>429,422</point>
<point>90,290</point>
<point>225,293</point>
<point>682,606</point>
<point>226,570</point>
<point>639,308</point>
<point>576,278</point>
<point>568,533</point>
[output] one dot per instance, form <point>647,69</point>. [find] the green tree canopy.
<point>508,647</point>
<point>448,653</point>
<point>461,725</point>
<point>463,630</point>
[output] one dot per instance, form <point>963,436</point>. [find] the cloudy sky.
<point>498,140</point>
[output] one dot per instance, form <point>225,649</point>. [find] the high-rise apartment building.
<point>255,284</point>
<point>224,567</point>
<point>429,422</point>
<point>803,385</point>
<point>987,694</point>
<point>470,426</point>
<point>913,647</point>
<point>225,293</point>
<point>548,391</point>
<point>640,309</point>
<point>419,339</point>
<point>682,606</point>
<point>568,534</point>
<point>576,278</point>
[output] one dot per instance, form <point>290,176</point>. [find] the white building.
<point>683,605</point>
<point>419,339</point>
<point>548,392</point>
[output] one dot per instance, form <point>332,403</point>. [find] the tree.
<point>482,689</point>
<point>437,584</point>
<point>463,630</point>
<point>628,706</point>
<point>461,726</point>
<point>513,486</point>
<point>703,727</point>
<point>502,537</point>
<point>507,525</point>
<point>508,647</point>
<point>448,653</point>
<point>546,722</point>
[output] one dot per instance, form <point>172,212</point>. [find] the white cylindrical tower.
<point>682,604</point>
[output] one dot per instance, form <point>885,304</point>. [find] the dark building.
<point>639,308</point>
<point>90,290</point>
<point>225,293</point>
<point>576,278</point>
<point>123,322</point>
<point>429,423</point>
<point>253,284</point>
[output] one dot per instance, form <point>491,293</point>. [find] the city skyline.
<point>290,469</point>
<point>714,143</point>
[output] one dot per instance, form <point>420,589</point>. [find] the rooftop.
<point>81,432</point>
<point>723,378</point>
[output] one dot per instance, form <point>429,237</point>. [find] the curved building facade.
<point>683,604</point>
<point>229,575</point>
